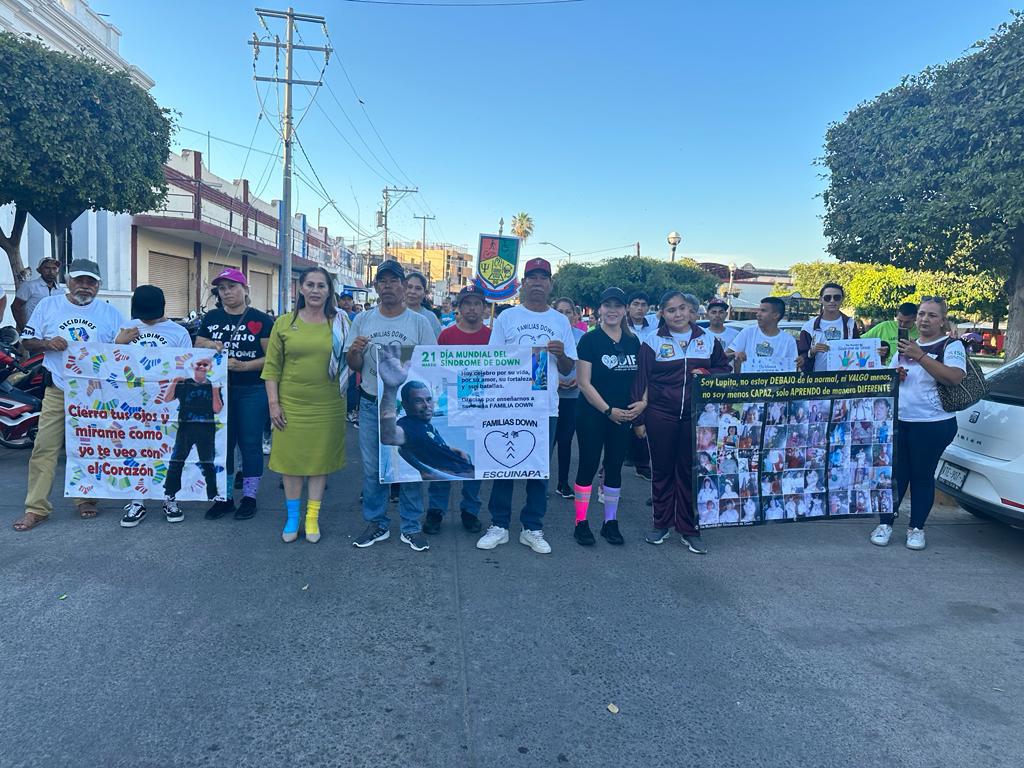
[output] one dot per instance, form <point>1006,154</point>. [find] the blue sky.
<point>609,121</point>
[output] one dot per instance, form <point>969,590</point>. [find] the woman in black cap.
<point>605,370</point>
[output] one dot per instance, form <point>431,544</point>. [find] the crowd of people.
<point>623,397</point>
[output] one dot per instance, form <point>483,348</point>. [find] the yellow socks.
<point>312,520</point>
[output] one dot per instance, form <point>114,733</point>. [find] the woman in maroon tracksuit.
<point>668,361</point>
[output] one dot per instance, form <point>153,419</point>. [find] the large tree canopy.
<point>931,173</point>
<point>583,283</point>
<point>74,136</point>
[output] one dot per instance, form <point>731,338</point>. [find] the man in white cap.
<point>30,292</point>
<point>55,321</point>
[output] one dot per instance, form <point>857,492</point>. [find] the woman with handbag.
<point>926,366</point>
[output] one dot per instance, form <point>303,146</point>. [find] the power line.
<point>503,4</point>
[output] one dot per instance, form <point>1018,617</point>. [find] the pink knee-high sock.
<point>582,501</point>
<point>611,502</point>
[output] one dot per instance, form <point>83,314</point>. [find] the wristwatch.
<point>608,411</point>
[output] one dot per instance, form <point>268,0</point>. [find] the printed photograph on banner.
<point>145,422</point>
<point>854,355</point>
<point>450,413</point>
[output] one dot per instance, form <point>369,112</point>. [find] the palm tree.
<point>522,225</point>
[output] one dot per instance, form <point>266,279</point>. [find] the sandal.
<point>28,521</point>
<point>88,510</point>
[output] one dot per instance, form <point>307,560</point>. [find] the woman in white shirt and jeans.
<point>925,429</point>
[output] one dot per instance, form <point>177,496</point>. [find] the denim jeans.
<point>375,495</point>
<point>439,495</point>
<point>919,446</point>
<point>247,413</point>
<point>532,514</point>
<point>352,397</point>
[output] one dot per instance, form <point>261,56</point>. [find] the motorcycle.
<point>21,399</point>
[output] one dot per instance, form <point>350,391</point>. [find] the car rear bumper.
<point>1014,517</point>
<point>989,485</point>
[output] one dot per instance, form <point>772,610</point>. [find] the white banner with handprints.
<point>462,413</point>
<point>854,355</point>
<point>145,422</point>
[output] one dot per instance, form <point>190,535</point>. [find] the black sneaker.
<point>471,522</point>
<point>246,508</point>
<point>417,541</point>
<point>694,544</point>
<point>565,491</point>
<point>656,536</point>
<point>134,513</point>
<point>583,535</point>
<point>644,472</point>
<point>432,523</point>
<point>371,536</point>
<point>172,512</point>
<point>219,509</point>
<point>238,480</point>
<point>610,532</point>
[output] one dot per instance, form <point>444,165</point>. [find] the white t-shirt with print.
<point>726,336</point>
<point>521,327</point>
<point>166,333</point>
<point>919,393</point>
<point>97,322</point>
<point>757,345</point>
<point>34,291</point>
<point>827,331</point>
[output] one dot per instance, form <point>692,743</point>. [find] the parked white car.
<point>983,468</point>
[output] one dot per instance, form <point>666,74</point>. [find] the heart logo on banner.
<point>510,448</point>
<point>610,361</point>
<point>254,326</point>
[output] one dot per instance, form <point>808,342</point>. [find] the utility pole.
<point>287,129</point>
<point>423,242</point>
<point>638,249</point>
<point>387,207</point>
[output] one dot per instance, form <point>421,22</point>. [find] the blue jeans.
<point>532,514</point>
<point>247,413</point>
<point>352,397</point>
<point>439,495</point>
<point>375,495</point>
<point>919,446</point>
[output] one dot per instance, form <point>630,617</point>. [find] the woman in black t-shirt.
<point>605,370</point>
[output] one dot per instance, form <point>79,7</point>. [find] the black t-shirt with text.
<point>195,401</point>
<point>241,335</point>
<point>612,365</point>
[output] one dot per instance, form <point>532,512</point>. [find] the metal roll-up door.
<point>171,275</point>
<point>215,269</point>
<point>259,291</point>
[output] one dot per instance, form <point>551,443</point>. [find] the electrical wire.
<point>502,4</point>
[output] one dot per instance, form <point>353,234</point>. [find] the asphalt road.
<point>215,644</point>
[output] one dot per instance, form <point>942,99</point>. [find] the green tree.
<point>931,173</point>
<point>74,136</point>
<point>584,283</point>
<point>522,226</point>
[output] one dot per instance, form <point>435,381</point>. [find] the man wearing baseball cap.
<point>534,323</point>
<point>244,333</point>
<point>30,292</point>
<point>55,322</point>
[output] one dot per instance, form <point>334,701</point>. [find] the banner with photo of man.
<point>462,413</point>
<point>792,446</point>
<point>145,422</point>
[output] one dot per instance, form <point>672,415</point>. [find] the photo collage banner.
<point>793,446</point>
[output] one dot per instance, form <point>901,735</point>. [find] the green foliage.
<point>931,173</point>
<point>75,136</point>
<point>584,283</point>
<point>522,225</point>
<point>876,290</point>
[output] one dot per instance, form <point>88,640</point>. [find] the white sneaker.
<point>134,513</point>
<point>535,541</point>
<point>881,535</point>
<point>915,538</point>
<point>493,538</point>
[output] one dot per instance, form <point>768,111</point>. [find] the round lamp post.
<point>674,239</point>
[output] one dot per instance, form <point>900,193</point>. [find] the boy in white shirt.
<point>829,325</point>
<point>764,347</point>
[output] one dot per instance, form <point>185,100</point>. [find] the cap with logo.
<point>537,265</point>
<point>613,294</point>
<point>393,267</point>
<point>717,302</point>
<point>232,274</point>
<point>84,268</point>
<point>147,303</point>
<point>470,290</point>
<point>346,295</point>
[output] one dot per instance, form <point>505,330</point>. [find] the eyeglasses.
<point>832,297</point>
<point>936,299</point>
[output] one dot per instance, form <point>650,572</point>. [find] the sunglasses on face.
<point>832,297</point>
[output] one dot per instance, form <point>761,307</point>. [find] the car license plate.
<point>952,475</point>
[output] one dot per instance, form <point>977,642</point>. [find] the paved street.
<point>215,644</point>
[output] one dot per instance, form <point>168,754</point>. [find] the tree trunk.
<point>1014,345</point>
<point>11,245</point>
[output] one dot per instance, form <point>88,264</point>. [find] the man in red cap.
<point>243,332</point>
<point>534,323</point>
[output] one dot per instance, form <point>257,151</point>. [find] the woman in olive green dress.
<point>307,408</point>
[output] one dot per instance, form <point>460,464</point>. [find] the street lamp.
<point>674,239</point>
<point>568,256</point>
<point>732,271</point>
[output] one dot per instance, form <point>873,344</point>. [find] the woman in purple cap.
<point>243,332</point>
